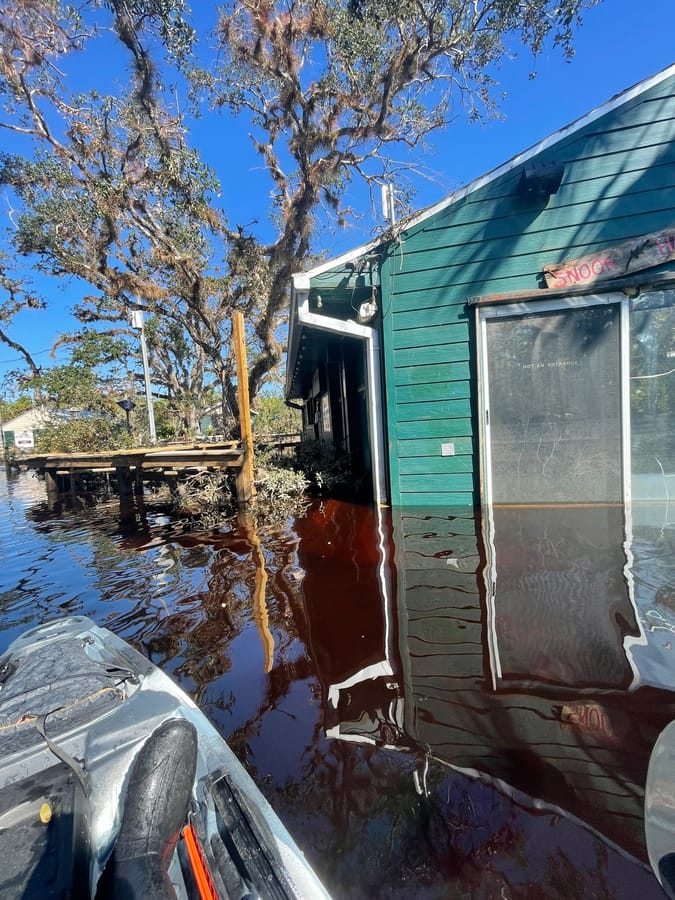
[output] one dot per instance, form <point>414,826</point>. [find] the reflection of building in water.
<point>370,711</point>
<point>348,598</point>
<point>559,600</point>
<point>556,724</point>
<point>558,624</point>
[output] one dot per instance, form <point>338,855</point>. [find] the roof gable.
<point>556,139</point>
<point>35,417</point>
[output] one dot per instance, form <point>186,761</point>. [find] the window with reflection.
<point>581,587</point>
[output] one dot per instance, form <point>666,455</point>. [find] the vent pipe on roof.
<point>388,207</point>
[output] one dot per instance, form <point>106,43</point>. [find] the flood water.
<point>436,705</point>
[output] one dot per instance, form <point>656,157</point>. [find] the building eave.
<point>301,280</point>
<point>526,155</point>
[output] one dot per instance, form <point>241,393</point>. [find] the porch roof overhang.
<point>324,303</point>
<point>339,281</point>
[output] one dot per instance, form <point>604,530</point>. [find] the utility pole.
<point>136,321</point>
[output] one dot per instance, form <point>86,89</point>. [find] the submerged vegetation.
<point>284,485</point>
<point>205,498</point>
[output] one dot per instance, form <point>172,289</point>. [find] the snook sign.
<point>633,256</point>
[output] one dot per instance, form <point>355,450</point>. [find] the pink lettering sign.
<point>633,256</point>
<point>592,718</point>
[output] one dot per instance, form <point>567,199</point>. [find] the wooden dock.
<point>130,467</point>
<point>62,470</point>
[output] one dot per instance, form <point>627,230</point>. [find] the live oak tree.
<point>82,395</point>
<point>15,296</point>
<point>111,191</point>
<point>182,379</point>
<point>181,368</point>
<point>332,89</point>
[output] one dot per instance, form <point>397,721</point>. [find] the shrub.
<point>276,481</point>
<point>204,497</point>
<point>328,473</point>
<point>83,435</point>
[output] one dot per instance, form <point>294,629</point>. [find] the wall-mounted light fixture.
<point>367,311</point>
<point>540,181</point>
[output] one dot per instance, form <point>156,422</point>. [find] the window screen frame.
<point>485,313</point>
<point>508,310</point>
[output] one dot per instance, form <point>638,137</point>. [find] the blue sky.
<point>620,43</point>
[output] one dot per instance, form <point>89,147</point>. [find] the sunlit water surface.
<point>435,706</point>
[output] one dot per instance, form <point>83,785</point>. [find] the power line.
<point>4,362</point>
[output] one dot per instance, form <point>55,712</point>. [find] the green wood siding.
<point>457,424</point>
<point>428,446</point>
<point>451,339</point>
<point>619,183</point>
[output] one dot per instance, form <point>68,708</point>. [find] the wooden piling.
<point>51,481</point>
<point>245,480</point>
<point>124,483</point>
<point>138,481</point>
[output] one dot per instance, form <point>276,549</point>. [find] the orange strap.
<point>207,890</point>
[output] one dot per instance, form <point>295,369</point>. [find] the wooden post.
<point>126,494</point>
<point>245,483</point>
<point>124,484</point>
<point>171,478</point>
<point>51,481</point>
<point>52,485</point>
<point>138,480</point>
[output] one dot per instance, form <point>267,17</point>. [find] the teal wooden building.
<point>514,343</point>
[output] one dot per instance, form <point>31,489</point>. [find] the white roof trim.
<point>301,280</point>
<point>618,100</point>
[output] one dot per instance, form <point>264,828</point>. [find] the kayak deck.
<point>113,784</point>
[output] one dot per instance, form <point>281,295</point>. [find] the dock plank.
<point>164,461</point>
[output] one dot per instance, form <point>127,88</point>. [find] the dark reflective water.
<point>437,705</point>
